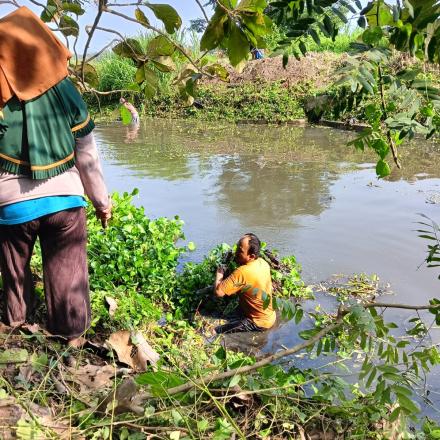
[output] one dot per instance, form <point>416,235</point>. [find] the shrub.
<point>134,251</point>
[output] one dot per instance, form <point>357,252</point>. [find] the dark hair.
<point>254,244</point>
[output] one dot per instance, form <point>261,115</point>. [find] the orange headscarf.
<point>32,59</point>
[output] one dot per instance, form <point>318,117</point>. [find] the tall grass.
<point>340,45</point>
<point>117,73</point>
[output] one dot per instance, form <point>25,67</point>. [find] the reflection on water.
<point>302,190</point>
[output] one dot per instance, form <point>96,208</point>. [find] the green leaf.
<point>238,46</point>
<point>394,414</point>
<point>74,8</point>
<point>150,83</point>
<point>125,115</point>
<point>218,70</point>
<point>234,381</point>
<point>251,5</point>
<point>129,48</point>
<point>381,148</point>
<point>164,64</point>
<point>49,12</point>
<point>214,32</point>
<point>68,26</point>
<point>315,36</point>
<point>382,168</point>
<point>371,377</point>
<point>191,246</point>
<point>372,35</point>
<point>298,315</point>
<point>168,15</point>
<point>13,355</point>
<point>141,17</point>
<point>90,75</point>
<point>160,46</point>
<point>407,404</point>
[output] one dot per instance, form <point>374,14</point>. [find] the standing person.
<point>132,109</point>
<point>249,281</point>
<point>48,159</point>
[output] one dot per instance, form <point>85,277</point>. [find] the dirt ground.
<point>314,67</point>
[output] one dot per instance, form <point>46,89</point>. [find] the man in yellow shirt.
<point>250,280</point>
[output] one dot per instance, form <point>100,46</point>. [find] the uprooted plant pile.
<point>143,377</point>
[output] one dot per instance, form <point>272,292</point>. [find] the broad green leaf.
<point>141,17</point>
<point>74,8</point>
<point>395,414</point>
<point>382,168</point>
<point>218,70</point>
<point>168,15</point>
<point>90,75</point>
<point>234,381</point>
<point>372,35</point>
<point>13,355</point>
<point>383,17</point>
<point>191,246</point>
<point>68,26</point>
<point>381,148</point>
<point>129,48</point>
<point>259,24</point>
<point>252,5</point>
<point>238,46</point>
<point>164,64</point>
<point>150,83</point>
<point>160,46</point>
<point>214,32</point>
<point>407,404</point>
<point>49,12</point>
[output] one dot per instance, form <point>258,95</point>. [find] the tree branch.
<point>203,10</point>
<point>179,47</point>
<point>92,31</point>
<point>248,368</point>
<point>401,306</point>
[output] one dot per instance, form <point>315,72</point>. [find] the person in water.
<point>132,109</point>
<point>48,161</point>
<point>249,281</point>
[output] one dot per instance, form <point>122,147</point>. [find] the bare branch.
<point>179,47</point>
<point>248,368</point>
<point>102,4</point>
<point>401,306</point>
<point>203,10</point>
<point>101,51</point>
<point>9,2</point>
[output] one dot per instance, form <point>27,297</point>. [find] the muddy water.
<point>300,189</point>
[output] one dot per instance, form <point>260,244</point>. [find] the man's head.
<point>122,100</point>
<point>248,249</point>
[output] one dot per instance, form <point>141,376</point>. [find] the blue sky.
<point>187,9</point>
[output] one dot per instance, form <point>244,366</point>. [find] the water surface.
<point>302,190</point>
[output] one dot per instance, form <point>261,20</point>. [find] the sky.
<point>187,9</point>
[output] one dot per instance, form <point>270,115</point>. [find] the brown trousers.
<point>63,239</point>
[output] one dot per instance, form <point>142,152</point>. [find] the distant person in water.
<point>249,281</point>
<point>257,54</point>
<point>131,108</point>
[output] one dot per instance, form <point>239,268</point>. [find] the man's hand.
<point>220,273</point>
<point>104,215</point>
<point>218,279</point>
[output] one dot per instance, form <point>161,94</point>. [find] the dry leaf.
<point>92,377</point>
<point>126,399</point>
<point>14,418</point>
<point>132,349</point>
<point>112,305</point>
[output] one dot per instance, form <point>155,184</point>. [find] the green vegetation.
<point>202,390</point>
